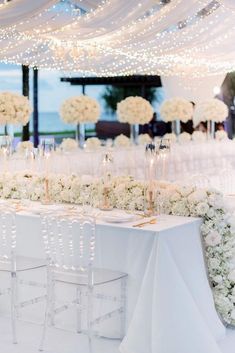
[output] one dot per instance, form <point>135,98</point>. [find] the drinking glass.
<point>164,148</point>
<point>47,146</point>
<point>6,144</point>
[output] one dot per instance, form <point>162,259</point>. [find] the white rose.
<point>202,209</point>
<point>198,195</point>
<point>233,314</point>
<point>134,110</point>
<point>122,141</point>
<point>213,238</point>
<point>144,139</point>
<point>186,190</point>
<point>212,109</point>
<point>231,276</point>
<point>175,197</point>
<point>231,221</point>
<point>216,200</point>
<point>198,136</point>
<point>210,213</point>
<point>214,263</point>
<point>92,143</point>
<point>184,137</point>
<point>221,135</point>
<point>80,109</point>
<point>68,144</point>
<point>176,108</point>
<point>218,279</point>
<point>170,136</point>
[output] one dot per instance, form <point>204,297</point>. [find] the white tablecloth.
<point>170,304</point>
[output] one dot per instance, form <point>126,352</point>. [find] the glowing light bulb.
<point>216,90</point>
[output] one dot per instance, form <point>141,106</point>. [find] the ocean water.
<point>51,122</point>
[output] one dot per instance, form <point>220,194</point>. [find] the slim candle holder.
<point>105,204</point>
<point>47,199</point>
<point>149,202</point>
<point>150,154</point>
<point>106,171</point>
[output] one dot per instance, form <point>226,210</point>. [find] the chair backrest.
<point>7,235</point>
<point>199,181</point>
<point>226,181</point>
<point>69,240</point>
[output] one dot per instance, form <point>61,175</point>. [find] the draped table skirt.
<point>170,303</point>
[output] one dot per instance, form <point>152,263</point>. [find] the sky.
<point>52,92</point>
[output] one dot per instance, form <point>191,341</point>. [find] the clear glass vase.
<point>175,126</point>
<point>9,130</point>
<point>210,130</point>
<point>80,134</point>
<point>134,133</point>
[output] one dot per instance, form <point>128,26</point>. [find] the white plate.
<point>119,218</point>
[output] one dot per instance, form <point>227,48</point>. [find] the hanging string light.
<point>166,37</point>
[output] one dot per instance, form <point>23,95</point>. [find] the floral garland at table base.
<point>218,226</point>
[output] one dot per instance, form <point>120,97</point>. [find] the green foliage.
<point>113,94</point>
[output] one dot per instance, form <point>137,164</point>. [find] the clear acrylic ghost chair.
<point>227,181</point>
<point>14,265</point>
<point>70,249</point>
<point>199,181</point>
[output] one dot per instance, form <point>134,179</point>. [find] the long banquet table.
<point>184,160</point>
<point>170,304</point>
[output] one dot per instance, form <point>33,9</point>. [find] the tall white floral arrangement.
<point>176,108</point>
<point>14,109</point>
<point>211,109</point>
<point>134,110</point>
<point>80,109</point>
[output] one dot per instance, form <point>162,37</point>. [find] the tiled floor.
<point>58,341</point>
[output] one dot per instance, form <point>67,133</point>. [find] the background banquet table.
<point>186,160</point>
<point>170,304</point>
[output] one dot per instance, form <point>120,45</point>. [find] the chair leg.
<point>52,303</point>
<point>48,309</point>
<point>13,305</point>
<point>124,308</point>
<point>79,313</point>
<point>90,317</point>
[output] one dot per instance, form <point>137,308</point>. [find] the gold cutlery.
<point>140,225</point>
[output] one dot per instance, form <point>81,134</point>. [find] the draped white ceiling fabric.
<point>119,37</point>
<point>196,89</point>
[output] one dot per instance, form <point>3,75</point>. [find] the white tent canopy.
<point>119,37</point>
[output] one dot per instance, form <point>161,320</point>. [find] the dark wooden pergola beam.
<point>135,80</point>
<point>35,107</point>
<point>25,92</point>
